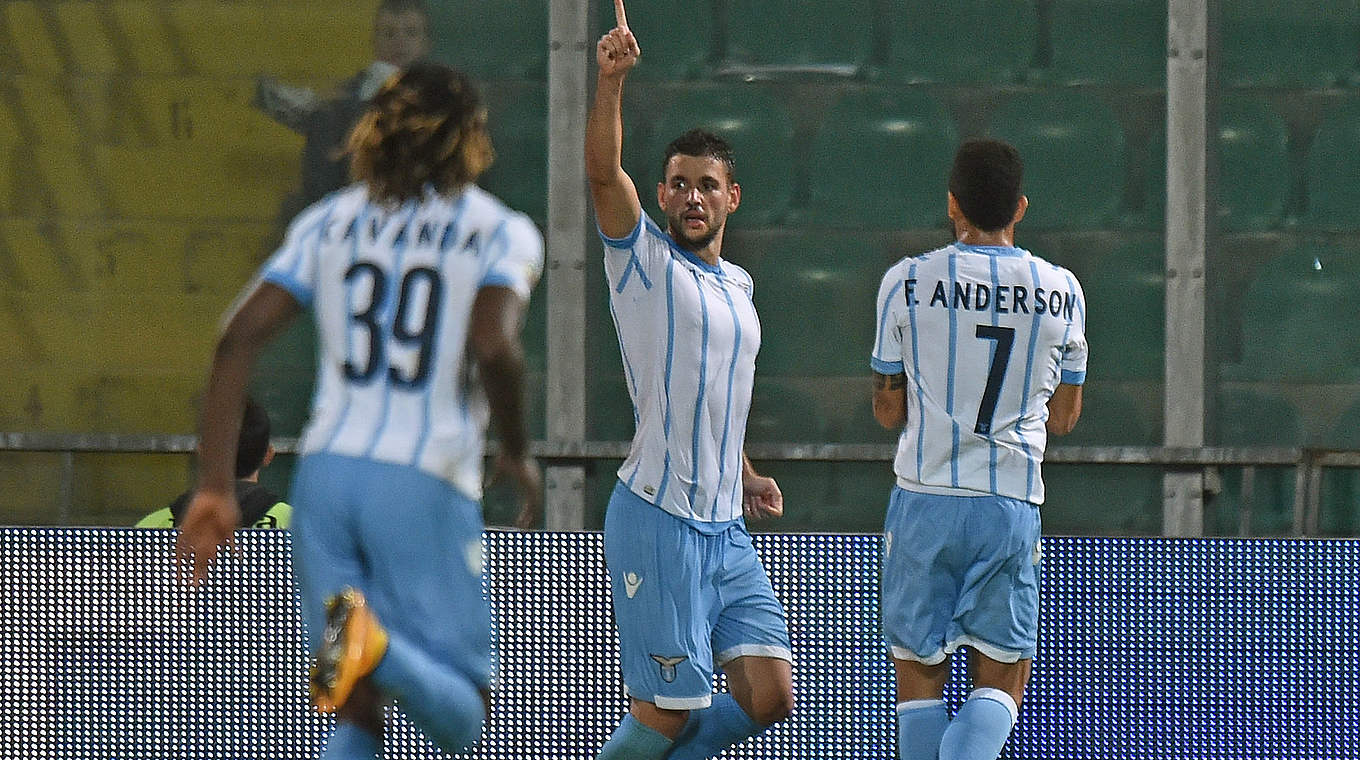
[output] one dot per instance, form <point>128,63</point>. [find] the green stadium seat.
<point>1298,319</point>
<point>829,497</point>
<point>833,38</point>
<point>815,295</point>
<point>192,183</point>
<point>314,42</point>
<point>782,413</point>
<point>1340,515</point>
<point>609,408</point>
<point>1249,418</point>
<point>1073,148</point>
<point>1110,417</point>
<point>860,426</point>
<point>808,502</point>
<point>881,159</point>
<point>494,39</point>
<point>668,51</point>
<point>1126,327</point>
<point>1254,173</point>
<point>1300,44</point>
<point>1334,170</point>
<point>1253,151</point>
<point>284,376</point>
<point>1102,500</point>
<point>518,122</point>
<point>925,43</point>
<point>1120,42</point>
<point>761,133</point>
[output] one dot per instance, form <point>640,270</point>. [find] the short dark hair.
<point>985,180</point>
<point>254,441</point>
<point>702,143</point>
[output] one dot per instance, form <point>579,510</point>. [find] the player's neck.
<point>1002,237</point>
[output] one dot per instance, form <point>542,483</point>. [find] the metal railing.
<point>1308,463</point>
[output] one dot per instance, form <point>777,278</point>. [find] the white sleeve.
<point>886,358</point>
<point>516,256</point>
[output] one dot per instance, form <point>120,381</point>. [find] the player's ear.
<point>661,194</point>
<point>1020,209</point>
<point>733,197</point>
<point>268,456</point>
<point>952,207</point>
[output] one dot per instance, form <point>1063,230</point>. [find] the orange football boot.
<point>352,644</point>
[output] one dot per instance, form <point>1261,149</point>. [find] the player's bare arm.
<point>1064,408</point>
<point>617,208</point>
<point>213,513</point>
<point>890,400</point>
<point>761,497</point>
<point>494,339</point>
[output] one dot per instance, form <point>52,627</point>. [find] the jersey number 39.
<point>418,282</point>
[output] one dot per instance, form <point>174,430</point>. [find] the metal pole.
<point>568,66</point>
<point>1186,203</point>
<point>66,499</point>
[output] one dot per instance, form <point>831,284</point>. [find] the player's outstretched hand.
<point>617,51</point>
<point>207,528</point>
<point>761,497</point>
<point>528,481</point>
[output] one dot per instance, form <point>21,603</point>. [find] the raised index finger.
<point>620,16</point>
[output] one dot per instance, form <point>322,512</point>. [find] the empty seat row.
<point>874,158</point>
<point>1263,43</point>
<point>317,41</point>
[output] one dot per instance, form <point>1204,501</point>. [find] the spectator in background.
<point>260,507</point>
<point>401,36</point>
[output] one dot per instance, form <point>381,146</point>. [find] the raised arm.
<point>617,208</point>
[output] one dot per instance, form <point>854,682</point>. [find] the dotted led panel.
<point>1149,648</point>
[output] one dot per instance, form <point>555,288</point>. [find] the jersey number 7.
<point>1001,356</point>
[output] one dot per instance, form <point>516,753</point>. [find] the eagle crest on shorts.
<point>668,666</point>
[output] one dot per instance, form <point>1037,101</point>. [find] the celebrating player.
<point>418,281</point>
<point>980,354</point>
<point>688,588</point>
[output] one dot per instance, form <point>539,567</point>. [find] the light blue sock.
<point>634,741</point>
<point>713,729</point>
<point>980,728</point>
<point>349,742</point>
<point>444,703</point>
<point>920,724</point>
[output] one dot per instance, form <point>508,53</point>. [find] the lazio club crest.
<point>668,666</point>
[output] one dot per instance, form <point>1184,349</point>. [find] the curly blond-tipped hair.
<point>426,126</point>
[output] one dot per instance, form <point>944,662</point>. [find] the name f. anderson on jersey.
<point>1002,299</point>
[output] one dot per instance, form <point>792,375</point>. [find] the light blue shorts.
<point>960,571</point>
<point>685,602</point>
<point>409,541</point>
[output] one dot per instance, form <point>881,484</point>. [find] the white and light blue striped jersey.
<point>689,335</point>
<point>391,290</point>
<point>984,334</point>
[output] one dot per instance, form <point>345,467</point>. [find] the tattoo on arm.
<point>889,382</point>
